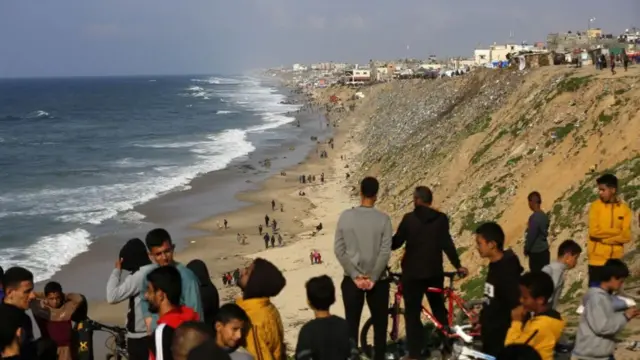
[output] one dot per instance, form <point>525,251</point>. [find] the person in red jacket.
<point>163,294</point>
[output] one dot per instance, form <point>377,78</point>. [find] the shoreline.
<point>323,203</point>
<point>207,195</point>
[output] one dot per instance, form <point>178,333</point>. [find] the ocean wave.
<point>131,217</point>
<point>148,179</point>
<point>38,114</point>
<point>97,203</point>
<point>223,112</point>
<point>218,81</point>
<point>38,257</point>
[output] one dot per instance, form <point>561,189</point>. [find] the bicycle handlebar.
<point>103,327</point>
<point>447,274</point>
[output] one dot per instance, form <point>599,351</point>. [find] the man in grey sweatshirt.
<point>599,322</point>
<point>133,258</point>
<point>363,247</point>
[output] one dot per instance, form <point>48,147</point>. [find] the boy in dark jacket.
<point>501,289</point>
<point>327,336</point>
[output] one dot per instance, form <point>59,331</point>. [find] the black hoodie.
<point>501,295</point>
<point>134,255</point>
<point>208,292</point>
<point>265,280</point>
<point>426,234</point>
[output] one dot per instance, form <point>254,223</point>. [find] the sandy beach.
<point>322,203</point>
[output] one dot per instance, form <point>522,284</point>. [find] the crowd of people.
<point>174,310</point>
<point>519,309</point>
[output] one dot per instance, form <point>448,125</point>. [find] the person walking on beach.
<point>266,220</point>
<point>273,205</point>
<point>363,247</point>
<point>274,224</point>
<point>536,245</point>
<point>244,239</point>
<point>266,240</point>
<point>260,229</point>
<point>279,240</point>
<point>612,59</point>
<point>236,276</point>
<point>273,241</point>
<point>226,224</point>
<point>224,279</point>
<point>281,207</point>
<point>238,238</point>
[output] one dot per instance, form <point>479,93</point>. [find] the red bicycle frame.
<point>452,299</point>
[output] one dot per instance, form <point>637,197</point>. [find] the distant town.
<point>579,48</point>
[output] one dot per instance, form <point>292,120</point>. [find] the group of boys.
<point>522,309</point>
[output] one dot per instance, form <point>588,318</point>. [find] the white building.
<point>299,67</point>
<point>482,56</point>
<point>498,52</point>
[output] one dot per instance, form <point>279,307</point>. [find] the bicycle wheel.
<point>366,334</point>
<point>396,340</point>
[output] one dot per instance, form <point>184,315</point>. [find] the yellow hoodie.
<point>265,340</point>
<point>609,230</point>
<point>541,332</point>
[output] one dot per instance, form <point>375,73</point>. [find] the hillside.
<point>485,140</point>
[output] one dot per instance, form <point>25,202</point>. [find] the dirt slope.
<point>485,140</point>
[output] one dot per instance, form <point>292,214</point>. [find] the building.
<point>379,73</point>
<point>498,52</point>
<point>482,56</point>
<point>299,67</point>
<point>358,75</point>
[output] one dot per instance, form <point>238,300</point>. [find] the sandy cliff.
<point>485,140</point>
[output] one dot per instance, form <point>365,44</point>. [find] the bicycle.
<point>117,335</point>
<point>464,317</point>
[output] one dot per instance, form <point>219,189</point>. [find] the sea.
<point>78,155</point>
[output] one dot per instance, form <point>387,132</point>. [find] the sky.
<point>135,37</point>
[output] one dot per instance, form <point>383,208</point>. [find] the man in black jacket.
<point>425,231</point>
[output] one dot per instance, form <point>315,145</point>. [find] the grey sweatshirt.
<point>119,290</point>
<point>537,233</point>
<point>363,242</point>
<point>556,270</point>
<point>598,326</point>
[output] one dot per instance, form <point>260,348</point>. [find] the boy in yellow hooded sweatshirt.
<point>534,323</point>
<point>259,282</point>
<point>609,227</point>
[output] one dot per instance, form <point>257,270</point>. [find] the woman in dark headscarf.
<point>133,258</point>
<point>208,292</point>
